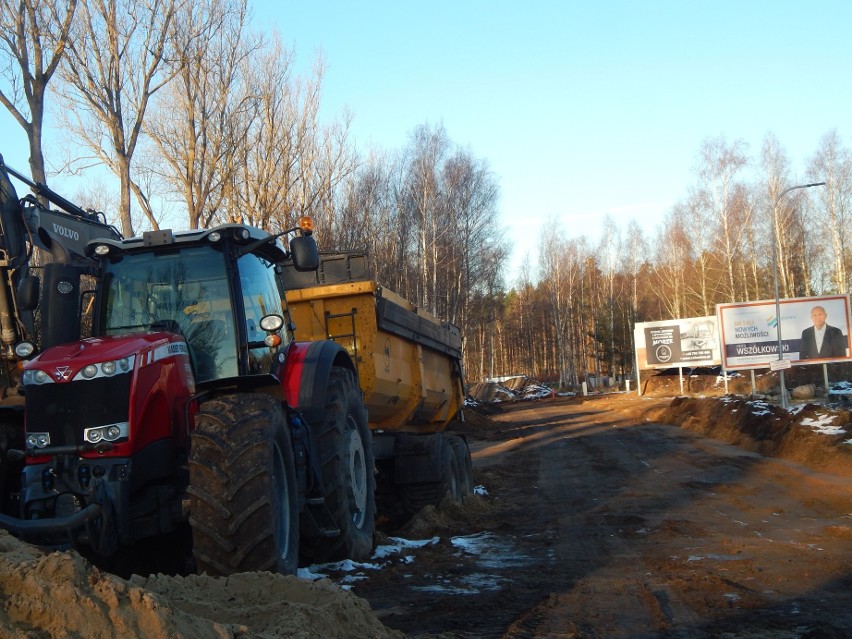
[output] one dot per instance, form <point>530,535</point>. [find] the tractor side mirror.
<point>305,254</point>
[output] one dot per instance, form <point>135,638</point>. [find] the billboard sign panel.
<point>814,330</point>
<point>680,342</point>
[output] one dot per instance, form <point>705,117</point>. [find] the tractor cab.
<point>216,288</point>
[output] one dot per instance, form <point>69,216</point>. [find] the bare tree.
<point>672,254</point>
<point>473,240</point>
<point>720,164</point>
<point>753,242</point>
<point>289,164</point>
<point>635,254</point>
<point>608,251</point>
<point>199,120</point>
<point>427,151</point>
<point>34,33</point>
<point>832,164</point>
<point>775,179</point>
<point>561,261</point>
<point>117,60</point>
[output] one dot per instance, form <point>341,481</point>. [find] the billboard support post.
<point>783,387</point>
<point>638,374</point>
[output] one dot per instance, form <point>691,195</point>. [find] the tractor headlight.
<point>38,440</point>
<point>24,349</point>
<point>35,376</point>
<point>109,433</point>
<point>106,369</point>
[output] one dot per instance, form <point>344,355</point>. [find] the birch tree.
<point>671,255</point>
<point>775,166</point>
<point>832,164</point>
<point>427,151</point>
<point>720,165</point>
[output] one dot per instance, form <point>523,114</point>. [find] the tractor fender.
<point>307,369</point>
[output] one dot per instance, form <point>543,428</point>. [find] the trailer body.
<point>409,368</point>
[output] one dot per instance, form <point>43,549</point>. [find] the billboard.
<point>680,342</point>
<point>814,330</point>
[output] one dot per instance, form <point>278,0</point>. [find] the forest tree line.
<point>202,119</point>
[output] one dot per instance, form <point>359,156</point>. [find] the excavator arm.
<point>62,233</point>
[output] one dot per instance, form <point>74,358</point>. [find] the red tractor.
<point>190,406</point>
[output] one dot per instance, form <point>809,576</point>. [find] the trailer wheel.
<point>464,465</point>
<point>416,496</point>
<point>242,487</point>
<point>347,465</point>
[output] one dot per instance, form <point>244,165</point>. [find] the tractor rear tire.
<point>242,487</point>
<point>347,466</point>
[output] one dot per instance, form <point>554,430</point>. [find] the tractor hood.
<point>65,361</point>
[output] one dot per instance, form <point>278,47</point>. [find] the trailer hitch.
<point>52,525</point>
<point>15,454</point>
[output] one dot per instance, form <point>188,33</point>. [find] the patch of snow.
<point>494,556</point>
<point>822,425</point>
<point>840,388</point>
<point>322,571</point>
<point>399,544</point>
<point>491,551</point>
<point>308,574</point>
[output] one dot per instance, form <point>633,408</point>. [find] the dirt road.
<point>599,525</point>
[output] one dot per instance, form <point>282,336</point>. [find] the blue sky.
<point>581,109</point>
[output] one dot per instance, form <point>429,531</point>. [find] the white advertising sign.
<point>814,330</point>
<point>692,341</point>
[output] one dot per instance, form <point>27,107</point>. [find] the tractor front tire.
<point>242,487</point>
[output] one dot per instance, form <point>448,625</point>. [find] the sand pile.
<point>61,595</point>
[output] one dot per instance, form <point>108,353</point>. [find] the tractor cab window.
<point>182,291</point>
<point>260,297</point>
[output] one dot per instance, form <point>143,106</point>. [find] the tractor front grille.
<point>65,410</point>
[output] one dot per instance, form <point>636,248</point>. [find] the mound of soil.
<point>769,430</point>
<point>61,595</point>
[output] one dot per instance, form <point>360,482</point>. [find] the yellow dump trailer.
<point>408,364</point>
<point>408,361</point>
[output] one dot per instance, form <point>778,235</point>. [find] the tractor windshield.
<point>182,291</point>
